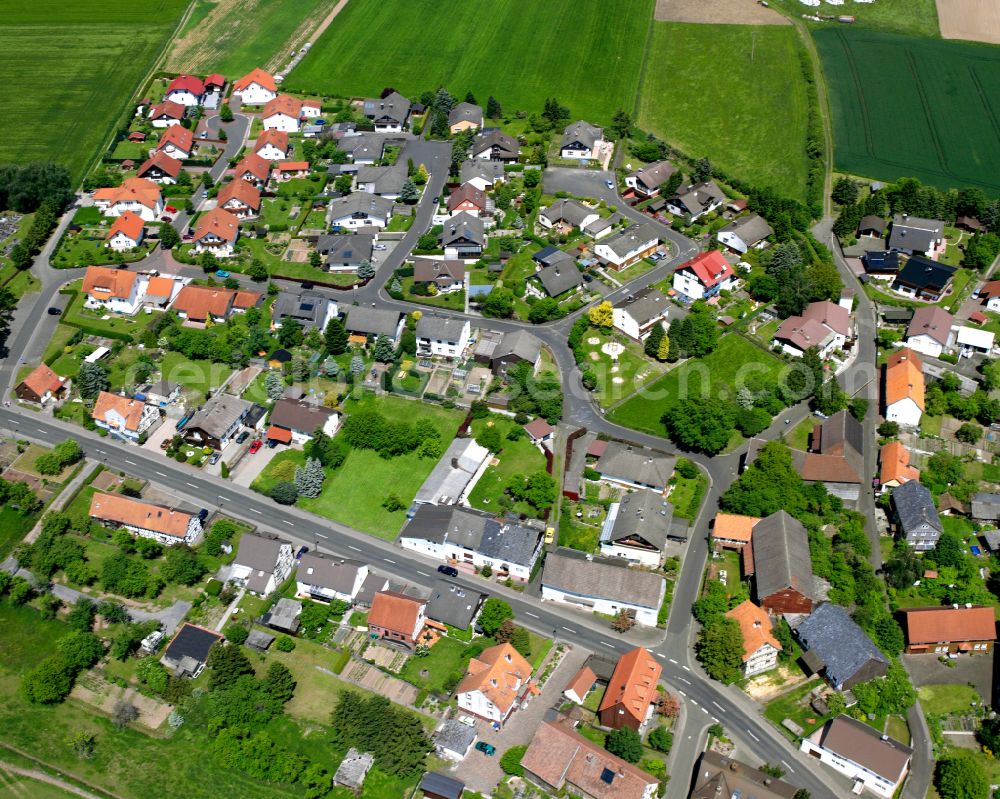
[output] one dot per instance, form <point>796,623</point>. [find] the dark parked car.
<point>242,437</point>
<point>307,285</point>
<point>302,551</point>
<point>451,571</point>
<point>487,749</point>
<point>202,514</point>
<point>55,311</point>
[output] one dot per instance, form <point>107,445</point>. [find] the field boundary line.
<point>984,99</point>
<point>68,777</point>
<point>928,115</point>
<point>637,104</point>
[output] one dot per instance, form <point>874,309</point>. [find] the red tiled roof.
<point>160,286</point>
<point>633,683</point>
<point>581,682</point>
<point>467,193</point>
<point>197,302</point>
<point>941,625</point>
<point>709,267</point>
<point>128,408</point>
<point>895,460</point>
<point>733,527</point>
<point>258,76</point>
<point>187,83</point>
<point>538,428</point>
<point>498,673</point>
<point>292,166</point>
<point>246,299</point>
<point>168,108</point>
<point>139,190</point>
<point>179,136</point>
<point>242,191</point>
<point>279,138</point>
<point>129,224</point>
<point>904,378</point>
<point>259,167</point>
<point>43,379</point>
<point>978,317</point>
<point>279,434</point>
<point>215,79</point>
<point>105,283</point>
<point>160,160</point>
<point>123,510</point>
<point>220,222</point>
<point>283,104</point>
<point>395,612</point>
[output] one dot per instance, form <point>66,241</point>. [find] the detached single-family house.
<point>581,140</point>
<point>126,232</point>
<point>284,112</point>
<point>733,531</point>
<point>718,776</point>
<point>862,754</point>
<point>187,654</point>
<point>442,336</point>
<point>560,759</point>
<point>514,348</point>
<point>307,307</point>
<point>796,334</point>
<point>747,232</point>
<point>647,181</point>
<point>325,578</point>
<point>638,528</point>
<point>263,562</point>
<point>990,293</point>
<point>166,114</point>
<point>495,684</point>
<point>915,236</point>
<point>471,200</point>
<point>390,113</point>
<point>895,469</point>
<point>385,181</point>
<point>484,175</point>
<point>881,265</point>
<point>177,142</point>
<point>217,233</point>
<point>396,617</point>
<point>272,145</point>
<point>359,210</point>
<point>296,421</point>
<point>373,322</point>
<point>620,250</point>
<point>446,276</point>
<point>240,198</point>
<point>635,467</point>
<point>166,525</point>
<point>215,423</point>
<point>602,585</point>
<point>694,201</point>
<point>453,604</point>
<point>40,386</point>
<point>903,393</point>
<point>286,170</point>
<point>872,227</point>
<point>923,278</point>
<point>160,168</point>
<point>125,418</point>
<point>463,236</point>
<point>138,195</point>
<point>344,253</point>
<point>704,276</point>
<point>465,116</point>
<point>760,647</point>
<point>917,520</point>
<point>837,647</point>
<point>462,536</point>
<point>632,691</point>
<point>198,304</point>
<point>566,215</point>
<point>254,169</point>
<point>930,331</point>
<point>950,630</point>
<point>636,315</point>
<point>782,568</point>
<point>539,431</point>
<point>557,279</point>
<point>256,88</point>
<point>495,145</point>
<point>185,90</point>
<point>113,290</point>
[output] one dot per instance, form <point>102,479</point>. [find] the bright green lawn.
<point>16,787</point>
<point>941,700</point>
<point>198,376</point>
<point>442,661</point>
<point>76,64</point>
<point>719,374</point>
<point>617,379</point>
<point>792,706</point>
<point>704,94</point>
<point>76,315</point>
<point>13,527</point>
<point>519,457</point>
<point>587,53</point>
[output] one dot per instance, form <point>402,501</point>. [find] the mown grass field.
<point>72,68</point>
<point>915,17</point>
<point>733,93</point>
<point>587,53</point>
<point>911,106</point>
<point>234,36</point>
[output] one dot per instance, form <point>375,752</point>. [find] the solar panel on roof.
<point>608,776</point>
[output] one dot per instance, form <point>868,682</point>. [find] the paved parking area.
<point>975,670</point>
<point>246,470</point>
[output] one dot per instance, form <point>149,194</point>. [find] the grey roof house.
<point>637,528</point>
<point>345,252</point>
<point>385,181</point>
<point>216,422</point>
<point>366,321</point>
<point>744,233</point>
<point>513,348</point>
<point>579,140</point>
<point>636,467</point>
<point>495,145</point>
<point>446,275</point>
<point>262,562</point>
<point>559,278</point>
<point>388,113</point>
<point>464,116</point>
<point>360,209</point>
<point>187,653</point>
<point>912,234</point>
<point>648,180</point>
<point>481,173</point>
<point>917,519</point>
<point>309,308</point>
<point>782,566</point>
<point>283,615</point>
<point>453,604</point>
<point>571,213</point>
<point>986,507</point>
<point>696,200</point>
<point>463,236</point>
<point>326,577</point>
<point>453,739</point>
<point>453,473</point>
<point>839,648</point>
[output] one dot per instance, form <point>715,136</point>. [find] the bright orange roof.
<point>733,527</point>
<point>258,76</point>
<point>160,287</point>
<point>129,224</point>
<point>755,626</point>
<point>395,612</point>
<point>220,222</point>
<point>498,673</point>
<point>246,299</point>
<point>279,434</point>
<point>943,624</point>
<point>895,460</point>
<point>291,166</point>
<point>104,283</point>
<point>259,167</point>
<point>633,684</point>
<point>43,379</point>
<point>582,681</point>
<point>904,378</point>
<point>120,509</point>
<point>178,136</point>
<point>279,138</point>
<point>197,302</point>
<point>283,104</point>
<point>139,190</point>
<point>242,191</point>
<point>128,408</point>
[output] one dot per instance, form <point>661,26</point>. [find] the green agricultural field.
<point>734,360</point>
<point>905,106</point>
<point>915,17</point>
<point>76,65</point>
<point>13,786</point>
<point>587,53</point>
<point>234,37</point>
<point>733,93</point>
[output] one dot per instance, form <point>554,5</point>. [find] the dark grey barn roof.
<point>841,644</point>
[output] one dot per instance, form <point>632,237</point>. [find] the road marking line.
<point>131,463</point>
<point>192,485</point>
<point>569,629</point>
<point>422,574</point>
<point>718,706</point>
<point>288,522</point>
<point>715,719</point>
<point>101,451</point>
<point>686,682</point>
<point>353,547</point>
<point>753,736</point>
<point>673,661</point>
<point>254,510</point>
<point>695,703</point>
<point>529,613</point>
<point>161,474</point>
<point>686,668</point>
<point>387,560</point>
<point>682,693</point>
<point>320,535</point>
<point>610,646</point>
<point>785,763</point>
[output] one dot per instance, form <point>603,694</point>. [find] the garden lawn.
<point>687,495</point>
<point>519,457</point>
<point>454,300</point>
<point>732,93</point>
<point>718,374</point>
<point>76,315</point>
<point>792,706</point>
<point>940,700</point>
<point>587,53</point>
<point>77,64</point>
<point>17,787</point>
<point>13,527</point>
<point>442,661</point>
<point>196,376</point>
<point>617,379</point>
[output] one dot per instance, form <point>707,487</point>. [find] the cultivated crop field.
<point>70,69</point>
<point>918,107</point>
<point>234,36</point>
<point>733,93</point>
<point>588,53</point>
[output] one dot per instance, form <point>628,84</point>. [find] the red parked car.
<point>255,445</point>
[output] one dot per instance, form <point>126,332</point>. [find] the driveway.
<point>246,470</point>
<point>482,773</point>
